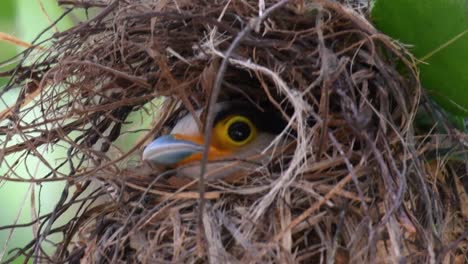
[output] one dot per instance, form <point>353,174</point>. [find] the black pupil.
<point>239,131</point>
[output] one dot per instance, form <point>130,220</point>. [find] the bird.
<point>241,132</point>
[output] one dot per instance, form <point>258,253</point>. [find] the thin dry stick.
<point>176,196</point>
<point>214,98</point>
<point>18,215</point>
<point>316,205</point>
<point>44,11</point>
<point>18,42</point>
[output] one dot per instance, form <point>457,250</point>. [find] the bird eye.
<point>239,131</point>
<point>234,131</point>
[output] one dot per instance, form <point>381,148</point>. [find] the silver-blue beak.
<point>168,150</point>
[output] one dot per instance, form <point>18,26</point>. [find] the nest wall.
<point>346,183</point>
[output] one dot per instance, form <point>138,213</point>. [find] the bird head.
<point>240,133</point>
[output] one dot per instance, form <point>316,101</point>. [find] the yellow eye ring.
<point>234,131</point>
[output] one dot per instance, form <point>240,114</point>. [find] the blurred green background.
<point>24,19</point>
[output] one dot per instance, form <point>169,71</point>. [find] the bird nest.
<point>347,181</point>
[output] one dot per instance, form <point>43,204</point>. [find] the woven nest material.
<point>352,186</point>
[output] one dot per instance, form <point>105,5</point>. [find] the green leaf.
<point>438,33</point>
